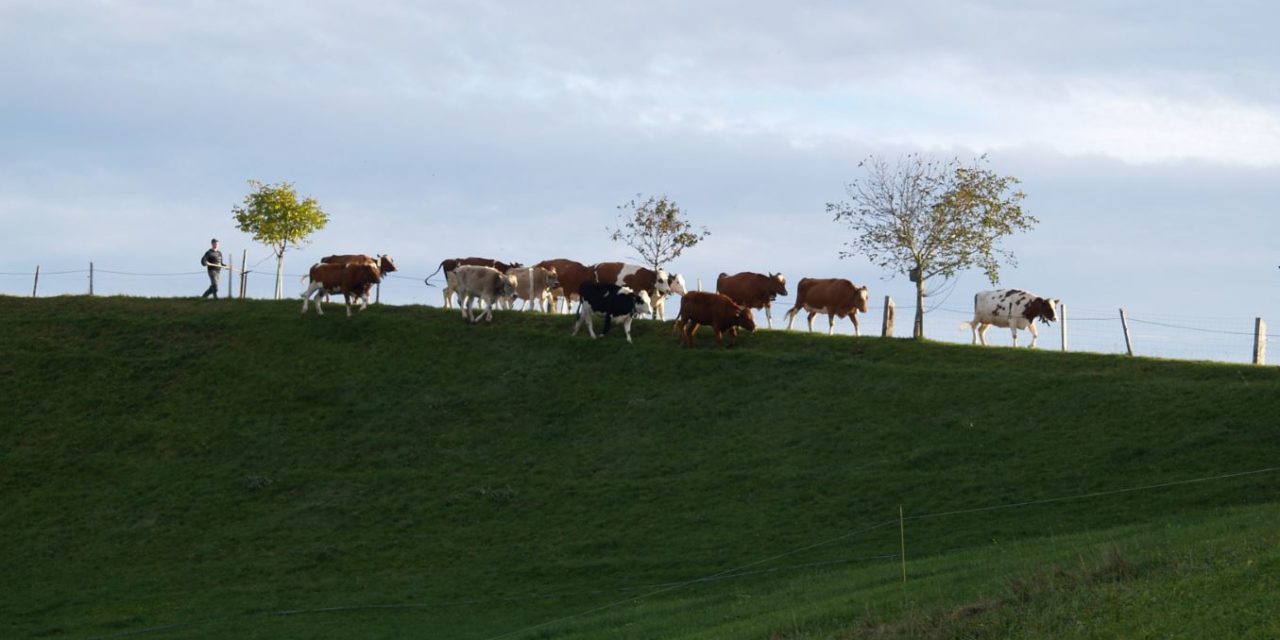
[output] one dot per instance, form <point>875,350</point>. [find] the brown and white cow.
<point>571,275</point>
<point>1012,308</point>
<point>832,296</point>
<point>753,290</point>
<point>450,264</point>
<point>533,286</point>
<point>718,311</point>
<point>384,264</point>
<point>658,284</point>
<point>352,280</point>
<point>486,284</point>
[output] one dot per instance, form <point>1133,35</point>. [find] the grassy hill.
<point>185,469</point>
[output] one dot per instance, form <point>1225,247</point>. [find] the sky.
<point>1146,136</point>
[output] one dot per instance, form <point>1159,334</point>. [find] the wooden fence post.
<point>886,327</point>
<point>1124,324</point>
<point>231,274</point>
<point>90,278</point>
<point>1062,324</point>
<point>699,284</point>
<point>244,277</point>
<point>35,285</point>
<point>1259,341</point>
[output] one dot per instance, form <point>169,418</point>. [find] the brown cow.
<point>658,284</point>
<point>384,264</point>
<point>571,275</point>
<point>718,311</point>
<point>753,290</point>
<point>450,264</point>
<point>832,296</point>
<point>351,280</point>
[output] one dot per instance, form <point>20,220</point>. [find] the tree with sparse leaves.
<point>656,229</point>
<point>274,216</point>
<point>930,219</point>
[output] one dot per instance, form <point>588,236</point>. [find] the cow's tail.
<point>966,326</point>
<point>427,280</point>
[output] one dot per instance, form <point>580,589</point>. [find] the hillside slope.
<point>214,466</point>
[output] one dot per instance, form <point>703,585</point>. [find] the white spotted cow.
<point>1012,308</point>
<point>616,304</point>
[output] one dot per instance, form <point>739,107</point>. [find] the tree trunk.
<point>917,331</point>
<point>279,276</point>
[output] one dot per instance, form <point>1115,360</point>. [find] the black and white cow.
<point>1010,308</point>
<point>616,304</point>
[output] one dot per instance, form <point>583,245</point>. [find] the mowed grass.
<point>187,469</point>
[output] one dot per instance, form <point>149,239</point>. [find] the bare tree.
<point>656,229</point>
<point>931,219</point>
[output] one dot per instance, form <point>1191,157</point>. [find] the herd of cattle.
<point>621,292</point>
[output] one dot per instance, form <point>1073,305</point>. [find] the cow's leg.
<point>464,303</point>
<point>626,328</point>
<point>973,326</point>
<point>346,299</point>
<point>719,336</point>
<point>768,315</point>
<point>1034,334</point>
<point>791,317</point>
<point>306,297</point>
<point>831,323</point>
<point>578,323</point>
<point>1014,331</point>
<point>811,315</point>
<point>854,317</point>
<point>691,330</point>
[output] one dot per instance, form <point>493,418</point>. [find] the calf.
<point>616,304</point>
<point>571,275</point>
<point>480,283</point>
<point>1010,308</point>
<point>451,264</point>
<point>753,290</point>
<point>717,310</point>
<point>351,280</point>
<point>832,296</point>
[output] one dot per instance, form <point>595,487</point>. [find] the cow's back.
<point>746,288</point>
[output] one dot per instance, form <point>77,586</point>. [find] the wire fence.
<point>1088,329</point>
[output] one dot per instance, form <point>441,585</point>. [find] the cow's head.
<point>778,285</point>
<point>745,319</point>
<point>386,264</point>
<point>675,284</point>
<point>1047,309</point>
<point>508,285</point>
<point>553,279</point>
<point>643,306</point>
<point>860,298</point>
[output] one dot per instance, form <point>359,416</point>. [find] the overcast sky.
<point>1147,137</point>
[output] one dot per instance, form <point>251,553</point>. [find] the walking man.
<point>212,261</point>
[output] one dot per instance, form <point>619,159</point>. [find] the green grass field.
<point>186,469</point>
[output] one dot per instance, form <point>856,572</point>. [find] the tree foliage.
<point>656,229</point>
<point>932,219</point>
<point>274,216</point>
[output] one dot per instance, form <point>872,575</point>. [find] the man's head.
<point>214,243</point>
